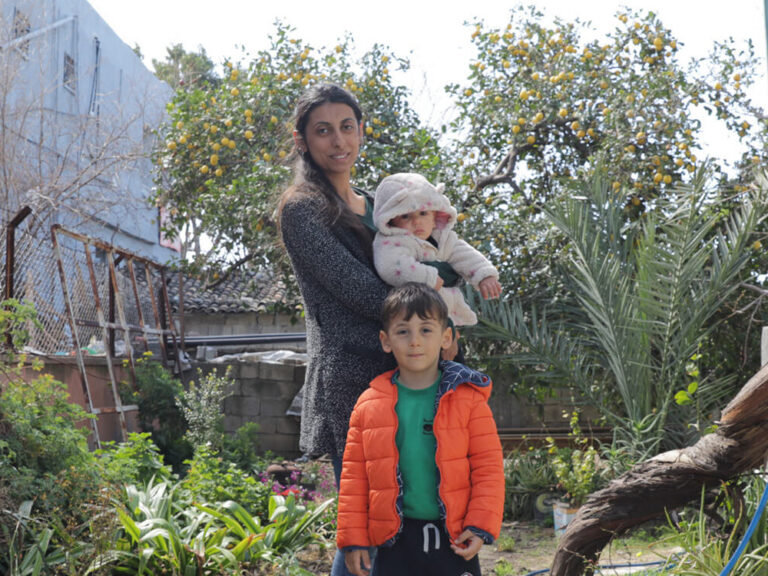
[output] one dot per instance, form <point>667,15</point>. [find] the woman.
<point>323,227</point>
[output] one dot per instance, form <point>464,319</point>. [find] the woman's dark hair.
<point>308,176</point>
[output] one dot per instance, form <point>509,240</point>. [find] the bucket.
<point>562,513</point>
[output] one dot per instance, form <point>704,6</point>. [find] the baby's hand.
<point>490,288</point>
<point>472,546</point>
<point>439,283</point>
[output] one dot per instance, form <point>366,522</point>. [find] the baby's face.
<point>420,223</point>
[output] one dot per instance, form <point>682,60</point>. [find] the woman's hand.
<point>472,546</point>
<point>490,288</point>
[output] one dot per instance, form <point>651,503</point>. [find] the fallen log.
<point>669,480</point>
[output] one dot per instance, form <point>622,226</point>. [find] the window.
<point>70,74</point>
<point>21,27</point>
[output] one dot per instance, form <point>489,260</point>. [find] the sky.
<point>432,34</point>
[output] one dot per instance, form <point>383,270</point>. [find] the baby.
<point>416,243</point>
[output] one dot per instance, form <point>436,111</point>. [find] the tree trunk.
<point>669,480</point>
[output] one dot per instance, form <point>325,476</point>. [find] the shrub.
<point>159,414</point>
<point>201,406</point>
<point>242,448</point>
<point>44,455</point>
<point>135,461</point>
<point>211,479</point>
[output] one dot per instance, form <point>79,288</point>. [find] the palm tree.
<point>642,298</point>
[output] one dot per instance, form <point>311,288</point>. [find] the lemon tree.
<point>543,107</point>
<point>225,150</point>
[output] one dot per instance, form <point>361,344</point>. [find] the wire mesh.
<point>37,282</point>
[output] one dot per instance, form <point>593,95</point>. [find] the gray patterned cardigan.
<point>342,300</point>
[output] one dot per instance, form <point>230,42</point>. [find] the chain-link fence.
<point>91,299</point>
<point>132,309</point>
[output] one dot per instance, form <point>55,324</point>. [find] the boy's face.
<point>420,223</point>
<point>416,343</point>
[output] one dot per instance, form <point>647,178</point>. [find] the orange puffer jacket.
<point>469,461</point>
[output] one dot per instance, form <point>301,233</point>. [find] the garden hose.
<point>609,567</point>
<point>747,535</point>
<point>731,563</point>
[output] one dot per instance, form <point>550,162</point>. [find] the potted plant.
<point>576,468</point>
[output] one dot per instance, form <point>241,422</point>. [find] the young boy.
<point>416,242</point>
<point>423,475</point>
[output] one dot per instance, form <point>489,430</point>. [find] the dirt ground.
<point>526,547</point>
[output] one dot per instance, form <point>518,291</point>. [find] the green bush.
<point>242,447</point>
<point>211,478</point>
<point>135,461</point>
<point>44,455</point>
<point>156,395</point>
<point>201,404</point>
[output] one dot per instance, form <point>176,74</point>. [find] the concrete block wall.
<point>262,392</point>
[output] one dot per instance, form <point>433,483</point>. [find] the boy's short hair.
<point>414,298</point>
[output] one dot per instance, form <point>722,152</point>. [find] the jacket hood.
<point>407,192</point>
<point>454,374</point>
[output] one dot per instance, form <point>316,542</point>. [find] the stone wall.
<point>262,392</point>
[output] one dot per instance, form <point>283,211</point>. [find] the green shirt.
<point>417,445</point>
<point>367,218</point>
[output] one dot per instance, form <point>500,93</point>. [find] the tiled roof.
<point>241,291</point>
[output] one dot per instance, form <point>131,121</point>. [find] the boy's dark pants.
<point>423,548</point>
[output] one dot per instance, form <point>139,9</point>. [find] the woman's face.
<point>333,138</point>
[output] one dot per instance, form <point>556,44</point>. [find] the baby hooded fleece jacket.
<point>469,462</point>
<point>400,257</point>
